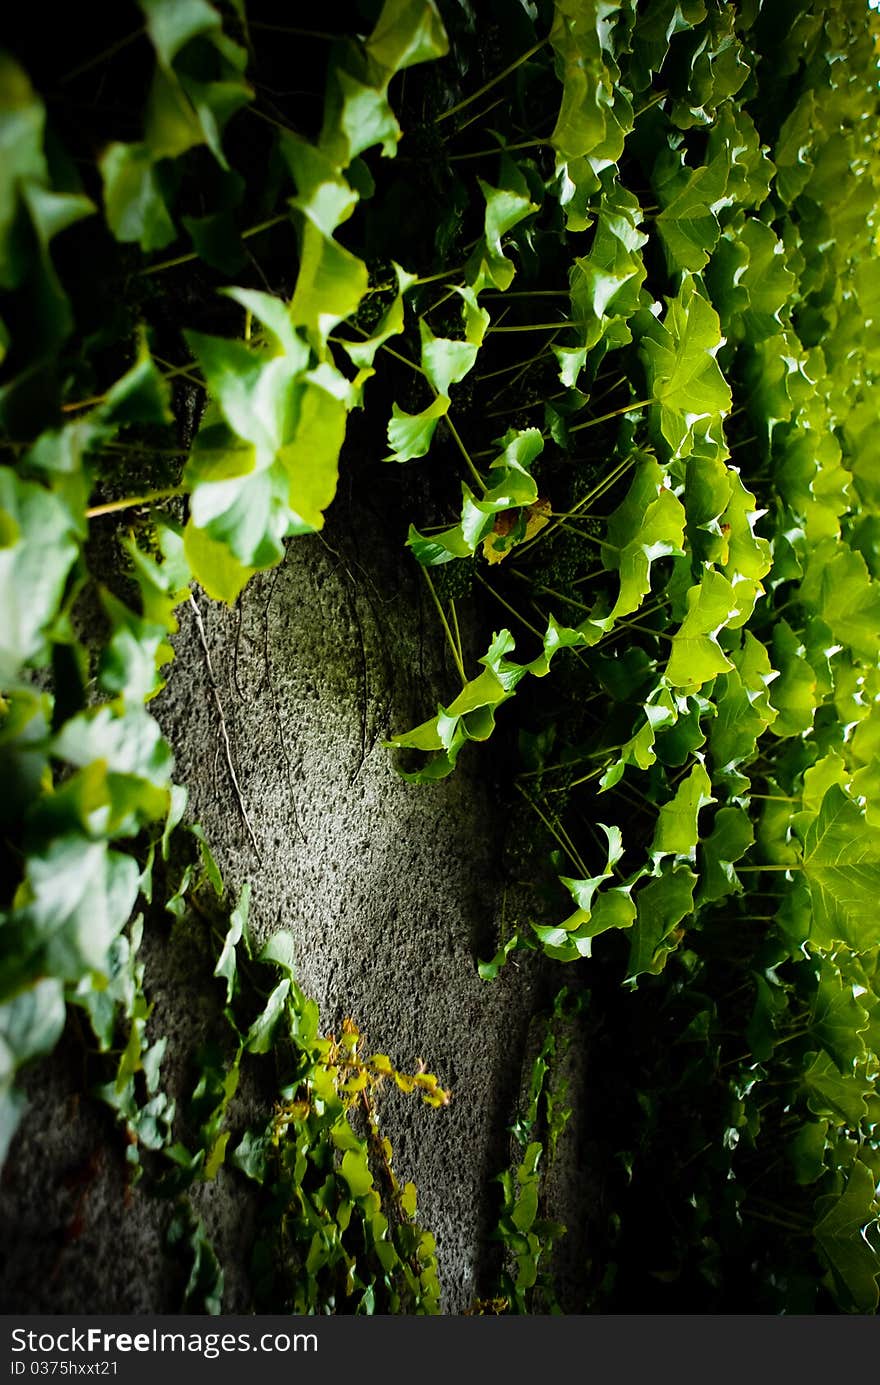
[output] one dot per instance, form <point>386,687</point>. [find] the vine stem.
<point>493,82</point>
<point>615,413</point>
<point>507,606</point>
<point>97,58</point>
<point>605,484</point>
<point>517,365</point>
<point>467,456</point>
<point>795,865</point>
<point>572,856</point>
<point>445,623</point>
<point>454,614</point>
<point>172,374</point>
<point>222,721</point>
<point>194,255</point>
<point>527,293</point>
<point>538,327</point>
<point>501,149</point>
<point>478,115</point>
<point>297,33</point>
<point>131,501</point>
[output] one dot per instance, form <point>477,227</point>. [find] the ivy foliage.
<point>610,274</point>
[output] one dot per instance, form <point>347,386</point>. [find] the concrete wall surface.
<point>391,891</point>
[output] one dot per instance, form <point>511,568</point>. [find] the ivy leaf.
<point>841,864</point>
<point>311,459</point>
<point>794,150</point>
<point>436,549</point>
<point>750,282</point>
<point>252,1155</point>
<point>187,107</point>
<point>744,557</point>
<point>692,396</point>
<point>76,898</point>
<point>214,566</point>
<point>647,525</point>
<point>696,654</point>
<point>362,353</point>
<point>133,197</point>
<point>255,391</point>
<point>677,833</point>
<point>513,497</point>
<point>261,1034</point>
<point>141,395</point>
<point>264,463</point>
<point>330,284</point>
<point>22,122</point>
<point>793,696</point>
<point>731,836</point>
<point>356,1171</point>
<point>839,1233</point>
<point>595,114</point>
<point>661,905</point>
<point>407,32</point>
<point>806,1151</point>
<point>30,1025</point>
<point>691,200</point>
<point>204,1288</point>
<point>126,766</point>
<point>838,1020</point>
<point>838,587</point>
<point>129,663</point>
<point>31,215</point>
<point>227,963</point>
<point>488,971</point>
<point>829,1093</point>
<point>38,550</point>
<point>445,361</point>
<point>409,435</point>
<point>505,208</point>
<point>715,69</point>
<point>605,284</point>
<point>659,711</point>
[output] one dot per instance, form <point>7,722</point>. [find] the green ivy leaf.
<point>696,654</point>
<point>133,197</point>
<point>356,1171</point>
<point>661,904</point>
<point>841,865</point>
<point>647,525</point>
<point>409,435</point>
<point>683,374</point>
<point>227,962</point>
<point>807,1151</point>
<point>76,898</point>
<point>838,1020</point>
<point>505,208</point>
<point>677,832</point>
<point>30,1025</point>
<point>731,836</point>
<point>839,1232</point>
<point>39,550</point>
<point>261,1034</point>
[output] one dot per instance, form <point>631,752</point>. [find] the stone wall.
<point>390,889</point>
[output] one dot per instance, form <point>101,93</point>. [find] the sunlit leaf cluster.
<point>605,276</point>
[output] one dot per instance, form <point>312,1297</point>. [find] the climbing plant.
<point>607,274</point>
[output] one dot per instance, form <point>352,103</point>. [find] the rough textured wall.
<point>390,889</point>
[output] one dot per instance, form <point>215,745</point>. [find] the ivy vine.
<point>610,272</point>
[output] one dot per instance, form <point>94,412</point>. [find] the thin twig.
<point>493,81</point>
<point>132,501</point>
<point>223,731</point>
<point>445,623</point>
